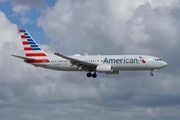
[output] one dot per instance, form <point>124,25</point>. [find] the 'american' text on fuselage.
<point>122,60</point>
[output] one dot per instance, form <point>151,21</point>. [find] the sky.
<point>147,27</point>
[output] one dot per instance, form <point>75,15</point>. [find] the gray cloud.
<point>21,9</point>
<point>35,3</point>
<point>150,30</point>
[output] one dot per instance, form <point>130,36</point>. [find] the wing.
<point>86,66</point>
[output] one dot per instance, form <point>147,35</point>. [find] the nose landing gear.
<point>151,74</point>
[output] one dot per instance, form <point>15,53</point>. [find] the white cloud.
<point>21,9</point>
<point>91,22</point>
<point>25,20</point>
<point>123,9</point>
<point>8,34</point>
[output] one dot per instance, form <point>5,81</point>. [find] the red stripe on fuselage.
<point>38,61</point>
<point>35,54</point>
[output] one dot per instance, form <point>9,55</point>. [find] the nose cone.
<point>164,64</point>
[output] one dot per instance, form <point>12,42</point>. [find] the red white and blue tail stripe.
<point>32,49</point>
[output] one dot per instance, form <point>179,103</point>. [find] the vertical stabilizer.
<point>32,49</point>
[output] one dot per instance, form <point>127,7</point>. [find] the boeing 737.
<point>92,64</point>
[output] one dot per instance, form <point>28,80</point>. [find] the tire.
<point>88,74</point>
<point>94,75</point>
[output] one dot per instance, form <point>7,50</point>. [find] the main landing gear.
<point>151,74</point>
<point>94,75</point>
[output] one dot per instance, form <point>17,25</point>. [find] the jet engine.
<point>104,68</point>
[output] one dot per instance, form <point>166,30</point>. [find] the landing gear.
<point>89,74</point>
<point>151,74</point>
<point>94,75</point>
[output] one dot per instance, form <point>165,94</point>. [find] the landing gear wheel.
<point>94,75</point>
<point>89,74</point>
<point>151,74</point>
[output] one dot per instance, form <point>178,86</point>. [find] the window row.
<point>93,60</point>
<point>157,59</point>
<point>83,60</point>
<point>59,61</point>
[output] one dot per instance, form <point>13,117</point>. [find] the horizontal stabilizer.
<point>21,57</point>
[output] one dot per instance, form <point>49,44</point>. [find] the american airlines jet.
<point>92,64</point>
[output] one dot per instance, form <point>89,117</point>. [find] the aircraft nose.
<point>164,64</point>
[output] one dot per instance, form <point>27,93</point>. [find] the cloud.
<point>25,20</point>
<point>124,9</point>
<point>22,8</point>
<point>119,27</point>
<point>93,23</point>
<point>151,28</point>
<point>35,3</point>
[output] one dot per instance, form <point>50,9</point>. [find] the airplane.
<point>92,64</point>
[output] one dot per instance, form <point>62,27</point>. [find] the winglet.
<point>58,54</point>
<point>54,50</point>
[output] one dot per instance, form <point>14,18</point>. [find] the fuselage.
<point>118,62</point>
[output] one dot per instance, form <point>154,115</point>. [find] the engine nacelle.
<point>104,68</point>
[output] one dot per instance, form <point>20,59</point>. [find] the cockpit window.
<point>157,59</point>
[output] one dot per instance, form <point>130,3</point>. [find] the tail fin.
<point>32,49</point>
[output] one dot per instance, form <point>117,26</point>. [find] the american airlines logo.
<point>123,60</point>
<point>141,59</point>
